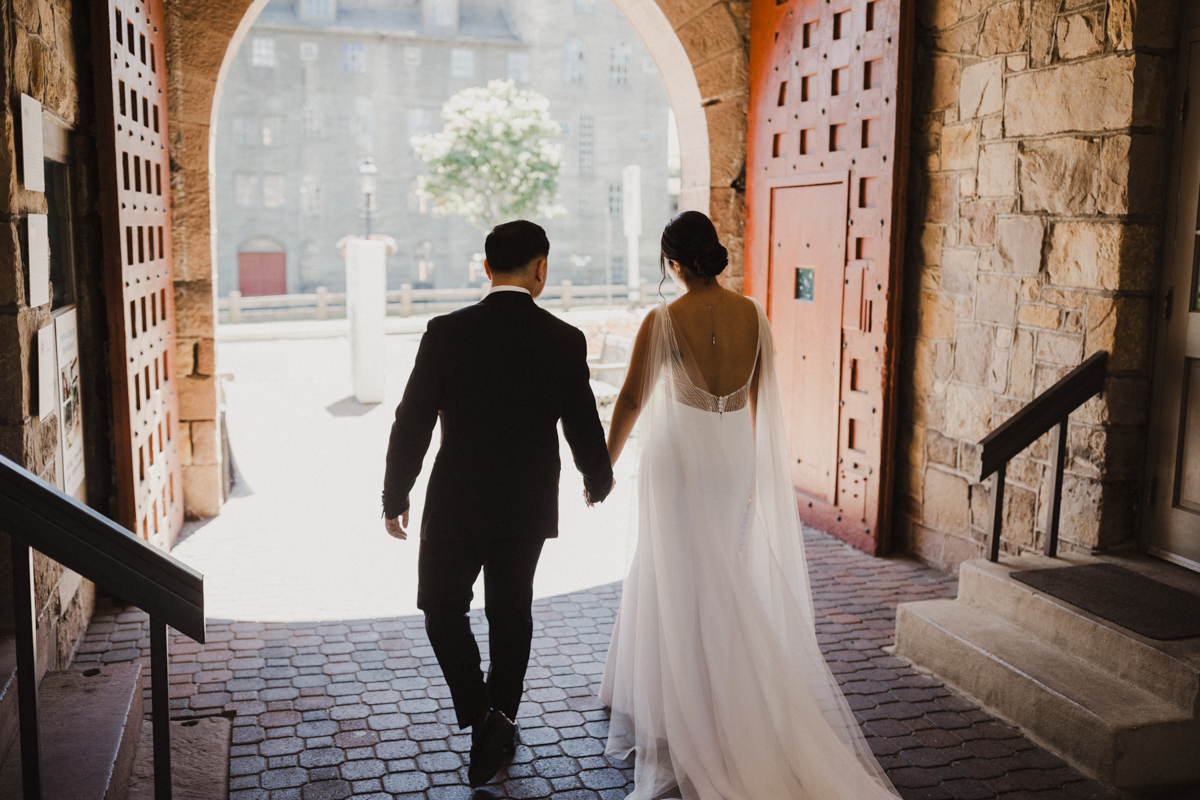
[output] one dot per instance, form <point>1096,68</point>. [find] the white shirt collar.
<point>508,288</point>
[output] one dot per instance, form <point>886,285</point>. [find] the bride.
<point>714,676</point>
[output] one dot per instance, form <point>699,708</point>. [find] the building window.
<point>564,129</point>
<point>310,195</point>
<point>420,121</point>
<point>245,190</point>
<point>274,191</point>
<point>443,13</point>
<point>617,266</point>
<point>272,131</point>
<point>262,51</point>
<point>618,64</point>
<point>412,56</point>
<point>308,51</point>
<point>587,143</point>
<point>364,119</point>
<point>310,111</point>
<point>318,9</point>
<point>614,199</point>
<point>354,57</point>
<point>585,6</point>
<point>418,201</point>
<point>462,63</point>
<point>518,67</point>
<point>245,130</point>
<point>573,61</point>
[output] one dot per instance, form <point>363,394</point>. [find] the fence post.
<point>566,296</point>
<point>406,299</point>
<point>160,706</point>
<point>322,303</point>
<point>997,514</point>
<point>1058,452</point>
<point>235,307</point>
<point>24,611</point>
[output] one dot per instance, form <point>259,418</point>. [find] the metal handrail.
<point>1049,410</point>
<point>38,516</point>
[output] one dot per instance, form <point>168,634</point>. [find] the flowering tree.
<point>495,159</point>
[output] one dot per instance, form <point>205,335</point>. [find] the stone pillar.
<point>366,307</point>
<point>566,295</point>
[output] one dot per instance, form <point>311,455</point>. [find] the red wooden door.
<point>262,273</point>
<point>131,125</point>
<point>824,230</point>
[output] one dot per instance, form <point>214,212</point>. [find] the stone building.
<point>991,190</point>
<point>315,88</point>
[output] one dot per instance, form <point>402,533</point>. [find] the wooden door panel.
<point>262,274</point>
<point>828,107</point>
<point>131,124</point>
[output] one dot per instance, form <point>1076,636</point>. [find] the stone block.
<point>1080,35</point>
<point>1041,30</point>
<point>980,91</point>
<point>195,308</point>
<point>997,170</point>
<point>927,544</point>
<point>1059,175</point>
<point>724,75</point>
<point>940,200</point>
<point>197,398</point>
<point>185,355</point>
<point>941,449</point>
<point>727,132</point>
<point>959,146</point>
<point>973,352</point>
<point>977,223</point>
<point>930,244</point>
<point>996,299</point>
<point>1019,243</point>
<point>206,357</point>
<point>1081,509</point>
<point>185,444</point>
<point>1151,97</point>
<point>937,316</point>
<point>968,412</point>
<point>1130,175</point>
<point>956,550</point>
<point>1003,30</point>
<point>959,268</point>
<point>1095,95</point>
<point>202,491</point>
<point>959,39</point>
<point>1120,23</point>
<point>1020,368</point>
<point>1102,255</point>
<point>1020,515</point>
<point>945,503</point>
<point>1039,316</point>
<point>1059,348</point>
<point>1122,327</point>
<point>205,443</point>
<point>937,15</point>
<point>710,33</point>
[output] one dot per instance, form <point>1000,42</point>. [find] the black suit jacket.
<point>499,375</point>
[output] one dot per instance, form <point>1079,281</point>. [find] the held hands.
<point>396,526</point>
<point>587,498</point>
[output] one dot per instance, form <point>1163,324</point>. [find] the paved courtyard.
<point>358,708</point>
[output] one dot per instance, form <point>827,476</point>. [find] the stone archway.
<point>700,50</point>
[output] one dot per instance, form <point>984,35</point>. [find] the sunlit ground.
<point>302,536</point>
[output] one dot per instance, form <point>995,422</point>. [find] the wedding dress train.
<point>714,676</point>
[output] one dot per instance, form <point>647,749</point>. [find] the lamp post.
<point>366,184</point>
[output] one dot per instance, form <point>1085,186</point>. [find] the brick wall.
<point>1036,201</point>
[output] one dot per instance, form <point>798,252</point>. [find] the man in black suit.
<point>499,375</point>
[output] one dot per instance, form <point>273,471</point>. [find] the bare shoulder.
<point>747,310</point>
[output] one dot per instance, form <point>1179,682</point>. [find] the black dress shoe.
<point>493,744</point>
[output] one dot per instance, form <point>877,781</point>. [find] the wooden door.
<point>262,274</point>
<point>131,125</point>
<point>825,178</point>
<point>1173,529</point>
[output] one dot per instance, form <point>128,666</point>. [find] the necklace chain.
<point>712,316</point>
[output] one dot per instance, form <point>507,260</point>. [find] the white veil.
<point>714,675</point>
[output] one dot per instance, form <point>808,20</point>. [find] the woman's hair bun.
<point>711,259</point>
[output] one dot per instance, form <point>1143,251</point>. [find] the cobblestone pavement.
<point>358,708</point>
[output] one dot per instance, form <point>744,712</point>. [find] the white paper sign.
<point>39,260</point>
<point>70,418</point>
<point>31,144</point>
<point>47,372</point>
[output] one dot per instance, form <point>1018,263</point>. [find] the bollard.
<point>566,295</point>
<point>366,308</point>
<point>235,307</point>
<point>322,303</point>
<point>406,299</point>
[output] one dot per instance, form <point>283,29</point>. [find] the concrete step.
<point>1169,671</point>
<point>1105,726</point>
<point>91,722</point>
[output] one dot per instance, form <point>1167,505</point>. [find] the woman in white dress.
<point>714,677</point>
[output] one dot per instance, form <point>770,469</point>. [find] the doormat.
<point>1133,601</point>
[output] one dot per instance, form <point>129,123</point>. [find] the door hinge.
<point>1169,303</point>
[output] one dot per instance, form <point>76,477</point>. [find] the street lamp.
<point>366,184</point>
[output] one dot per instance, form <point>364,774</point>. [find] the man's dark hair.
<point>512,245</point>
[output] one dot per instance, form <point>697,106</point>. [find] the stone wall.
<point>1034,238</point>
<point>46,50</point>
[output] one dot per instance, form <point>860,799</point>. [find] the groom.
<point>499,375</point>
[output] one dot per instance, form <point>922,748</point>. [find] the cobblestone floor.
<point>358,708</point>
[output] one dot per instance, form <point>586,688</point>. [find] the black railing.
<point>1049,409</point>
<point>38,516</point>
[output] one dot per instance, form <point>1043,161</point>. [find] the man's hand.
<point>396,526</point>
<point>587,498</point>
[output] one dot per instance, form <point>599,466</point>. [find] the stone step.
<point>1169,671</point>
<point>1106,727</point>
<point>91,722</point>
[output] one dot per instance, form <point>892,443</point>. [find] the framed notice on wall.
<point>70,418</point>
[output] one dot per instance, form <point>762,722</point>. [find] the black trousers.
<point>446,573</point>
